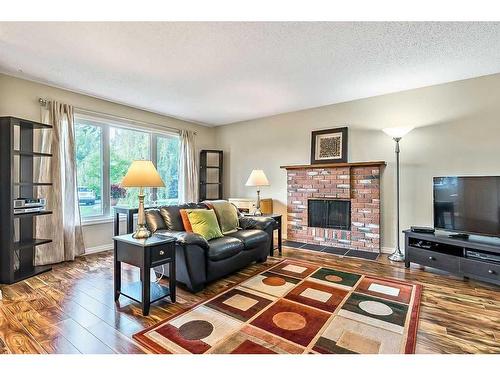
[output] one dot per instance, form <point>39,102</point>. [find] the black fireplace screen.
<point>329,213</point>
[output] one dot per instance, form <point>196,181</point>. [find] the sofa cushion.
<point>154,221</point>
<point>251,238</point>
<point>172,216</point>
<point>227,215</point>
<point>204,222</point>
<point>185,220</point>
<point>224,247</point>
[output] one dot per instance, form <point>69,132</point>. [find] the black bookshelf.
<point>211,174</point>
<point>17,251</point>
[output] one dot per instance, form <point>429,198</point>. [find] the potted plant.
<point>117,192</point>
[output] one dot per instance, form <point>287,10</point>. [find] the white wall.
<point>19,98</point>
<point>458,134</point>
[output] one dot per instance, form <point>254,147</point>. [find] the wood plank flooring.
<point>71,309</point>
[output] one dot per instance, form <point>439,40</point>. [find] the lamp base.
<point>397,256</point>
<point>141,232</point>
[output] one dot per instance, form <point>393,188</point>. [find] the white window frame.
<point>105,122</point>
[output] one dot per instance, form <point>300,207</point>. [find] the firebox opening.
<point>329,213</point>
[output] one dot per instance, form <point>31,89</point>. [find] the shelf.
<point>24,273</point>
<point>209,167</point>
<point>335,165</point>
<point>27,124</point>
<point>210,183</point>
<point>33,183</point>
<point>29,153</point>
<point>133,290</point>
<point>28,214</point>
<point>29,244</point>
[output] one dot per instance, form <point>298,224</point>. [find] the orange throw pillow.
<point>185,220</point>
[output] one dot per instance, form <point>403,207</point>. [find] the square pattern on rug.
<point>296,307</point>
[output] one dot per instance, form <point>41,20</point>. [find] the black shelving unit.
<point>211,174</point>
<point>17,252</point>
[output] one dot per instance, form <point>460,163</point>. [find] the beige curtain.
<point>64,225</point>
<point>188,173</point>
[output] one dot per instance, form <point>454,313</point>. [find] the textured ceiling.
<point>218,73</point>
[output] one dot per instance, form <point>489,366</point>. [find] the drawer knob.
<point>162,252</point>
<point>491,272</point>
<point>432,258</point>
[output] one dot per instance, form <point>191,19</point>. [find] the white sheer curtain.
<point>188,173</point>
<point>64,225</point>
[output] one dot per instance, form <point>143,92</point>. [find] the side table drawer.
<point>161,254</point>
<point>434,259</point>
<point>483,270</point>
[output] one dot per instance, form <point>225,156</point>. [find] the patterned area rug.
<point>296,307</point>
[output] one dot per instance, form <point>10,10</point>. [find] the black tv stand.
<point>463,236</point>
<point>462,256</point>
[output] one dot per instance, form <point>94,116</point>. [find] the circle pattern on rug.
<point>333,278</point>
<point>289,320</point>
<point>274,281</point>
<point>196,329</point>
<point>375,308</point>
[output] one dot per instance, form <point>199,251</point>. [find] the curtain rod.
<point>43,102</point>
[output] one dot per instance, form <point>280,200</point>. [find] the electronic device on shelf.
<point>467,205</point>
<point>29,202</point>
<point>422,230</point>
<point>28,210</point>
<point>471,254</point>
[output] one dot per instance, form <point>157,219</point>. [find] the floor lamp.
<point>397,134</point>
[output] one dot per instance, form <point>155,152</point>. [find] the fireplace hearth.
<point>329,213</point>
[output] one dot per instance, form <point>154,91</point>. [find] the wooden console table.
<point>468,258</point>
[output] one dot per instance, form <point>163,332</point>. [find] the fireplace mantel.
<point>335,165</point>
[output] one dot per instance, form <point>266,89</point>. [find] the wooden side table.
<point>145,254</point>
<point>277,218</point>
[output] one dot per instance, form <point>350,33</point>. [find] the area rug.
<point>296,307</point>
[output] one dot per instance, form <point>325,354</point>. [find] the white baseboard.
<point>98,249</point>
<point>106,247</point>
<point>386,250</point>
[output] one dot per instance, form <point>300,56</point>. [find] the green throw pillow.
<point>227,215</point>
<point>204,222</point>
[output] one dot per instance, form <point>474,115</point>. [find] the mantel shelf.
<point>335,165</point>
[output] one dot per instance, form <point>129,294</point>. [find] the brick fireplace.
<point>356,183</point>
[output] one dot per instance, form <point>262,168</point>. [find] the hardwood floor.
<point>71,309</point>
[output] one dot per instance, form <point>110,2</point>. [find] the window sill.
<point>101,220</point>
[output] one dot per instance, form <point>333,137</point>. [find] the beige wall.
<point>19,98</point>
<point>458,134</point>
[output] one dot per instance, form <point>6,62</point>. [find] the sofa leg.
<point>261,260</point>
<point>195,288</point>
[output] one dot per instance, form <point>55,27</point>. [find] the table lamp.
<point>397,134</point>
<point>141,174</point>
<point>257,178</point>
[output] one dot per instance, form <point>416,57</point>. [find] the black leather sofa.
<point>199,261</point>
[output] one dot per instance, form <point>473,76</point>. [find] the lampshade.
<point>142,173</point>
<point>257,178</point>
<point>397,132</point>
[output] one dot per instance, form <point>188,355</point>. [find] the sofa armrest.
<point>185,238</point>
<point>256,222</point>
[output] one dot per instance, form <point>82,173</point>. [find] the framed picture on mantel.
<point>329,146</point>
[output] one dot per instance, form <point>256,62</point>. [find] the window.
<point>104,151</point>
<point>88,144</point>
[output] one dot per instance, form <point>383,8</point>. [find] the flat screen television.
<point>468,205</point>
